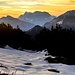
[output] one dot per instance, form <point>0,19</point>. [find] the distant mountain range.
<point>29,20</point>
<point>37,18</point>
<point>14,22</point>
<point>66,20</point>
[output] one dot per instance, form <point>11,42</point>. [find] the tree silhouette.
<point>58,41</point>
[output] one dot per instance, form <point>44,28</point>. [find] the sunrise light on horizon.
<point>17,7</point>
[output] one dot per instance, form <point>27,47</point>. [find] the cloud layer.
<point>17,7</point>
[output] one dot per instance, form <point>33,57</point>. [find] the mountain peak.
<point>70,12</point>
<point>37,17</point>
<point>8,16</point>
<point>66,20</point>
<point>35,30</point>
<point>37,26</point>
<point>15,21</point>
<point>27,13</point>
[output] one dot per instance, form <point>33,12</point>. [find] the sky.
<point>17,7</point>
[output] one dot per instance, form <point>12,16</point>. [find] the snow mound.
<point>8,47</point>
<point>15,61</point>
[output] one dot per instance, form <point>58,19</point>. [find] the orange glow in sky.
<point>17,7</point>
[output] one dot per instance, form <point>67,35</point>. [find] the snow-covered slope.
<point>14,22</point>
<point>37,17</point>
<point>14,62</point>
<point>66,20</point>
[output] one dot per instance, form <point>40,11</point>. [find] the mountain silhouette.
<point>37,17</point>
<point>14,22</point>
<point>35,30</point>
<point>66,20</point>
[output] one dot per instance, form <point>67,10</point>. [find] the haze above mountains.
<point>29,20</point>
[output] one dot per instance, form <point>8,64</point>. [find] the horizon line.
<point>34,12</point>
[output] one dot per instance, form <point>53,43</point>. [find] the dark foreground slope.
<point>58,41</point>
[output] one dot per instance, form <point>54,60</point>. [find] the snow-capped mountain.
<point>14,22</point>
<point>66,20</point>
<point>37,18</point>
<point>35,30</point>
